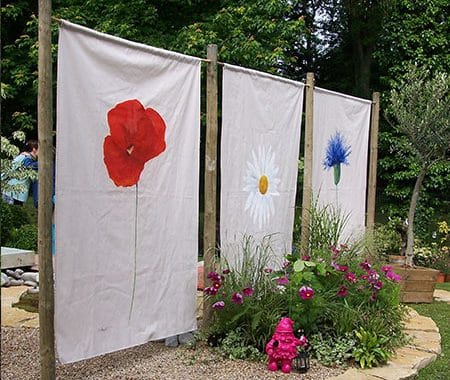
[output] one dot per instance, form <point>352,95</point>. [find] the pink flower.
<point>306,257</point>
<point>343,291</point>
<point>268,270</point>
<point>210,291</point>
<point>247,292</point>
<point>378,285</point>
<point>386,268</point>
<point>237,298</point>
<point>365,265</point>
<point>393,276</point>
<point>219,305</point>
<point>214,277</point>
<point>306,293</point>
<point>282,280</point>
<point>335,251</point>
<point>341,268</point>
<point>350,277</point>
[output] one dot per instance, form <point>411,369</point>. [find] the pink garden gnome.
<point>282,348</point>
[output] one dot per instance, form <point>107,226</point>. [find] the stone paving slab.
<point>12,316</point>
<point>441,295</point>
<point>428,341</point>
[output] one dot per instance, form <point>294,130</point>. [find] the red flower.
<point>136,136</point>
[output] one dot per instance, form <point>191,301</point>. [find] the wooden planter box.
<point>417,284</point>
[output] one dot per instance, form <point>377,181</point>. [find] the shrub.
<point>332,350</point>
<point>24,237</point>
<point>12,217</point>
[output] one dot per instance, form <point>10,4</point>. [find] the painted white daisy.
<point>261,184</point>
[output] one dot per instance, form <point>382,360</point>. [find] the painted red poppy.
<point>136,136</point>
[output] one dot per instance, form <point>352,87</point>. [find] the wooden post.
<point>307,170</point>
<point>373,156</point>
<point>45,207</point>
<point>209,220</point>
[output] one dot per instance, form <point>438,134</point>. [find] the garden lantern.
<point>301,362</point>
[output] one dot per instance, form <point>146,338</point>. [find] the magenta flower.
<point>378,285</point>
<point>306,293</point>
<point>350,277</point>
<point>268,270</point>
<point>343,291</point>
<point>373,276</point>
<point>393,276</point>
<point>247,292</point>
<point>335,251</point>
<point>303,341</point>
<point>237,298</point>
<point>282,280</point>
<point>210,291</point>
<point>306,257</point>
<point>386,268</point>
<point>340,268</point>
<point>214,277</point>
<point>219,305</point>
<point>373,297</point>
<point>365,265</point>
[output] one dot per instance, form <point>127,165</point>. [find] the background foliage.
<point>352,46</point>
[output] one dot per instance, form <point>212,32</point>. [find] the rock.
<point>186,337</point>
<point>33,290</point>
<point>30,276</point>
<point>19,272</point>
<point>13,274</point>
<point>30,283</point>
<point>14,282</point>
<point>171,341</point>
<point>28,302</point>
<point>5,280</point>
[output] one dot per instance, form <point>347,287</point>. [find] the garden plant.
<point>339,295</point>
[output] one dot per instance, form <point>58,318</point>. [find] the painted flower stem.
<point>135,252</point>
<point>337,173</point>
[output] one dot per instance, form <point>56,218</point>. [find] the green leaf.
<point>299,265</point>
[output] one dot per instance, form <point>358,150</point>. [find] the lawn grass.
<point>440,313</point>
<point>443,286</point>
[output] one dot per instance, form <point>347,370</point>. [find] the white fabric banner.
<point>261,122</point>
<point>128,123</point>
<point>340,151</point>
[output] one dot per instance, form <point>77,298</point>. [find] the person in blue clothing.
<point>26,159</point>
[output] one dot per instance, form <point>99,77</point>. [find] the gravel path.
<point>20,360</point>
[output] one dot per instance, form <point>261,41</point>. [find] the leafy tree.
<point>420,105</point>
<point>413,33</point>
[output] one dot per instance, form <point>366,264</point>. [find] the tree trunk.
<point>411,214</point>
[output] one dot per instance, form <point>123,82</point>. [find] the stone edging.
<point>424,347</point>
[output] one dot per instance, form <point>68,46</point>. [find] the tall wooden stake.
<point>307,170</point>
<point>209,227</point>
<point>45,124</point>
<point>373,156</point>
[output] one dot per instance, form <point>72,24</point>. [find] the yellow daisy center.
<point>263,184</point>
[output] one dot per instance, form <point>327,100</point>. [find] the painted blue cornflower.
<point>336,154</point>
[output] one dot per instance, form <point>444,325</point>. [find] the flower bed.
<point>336,296</point>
